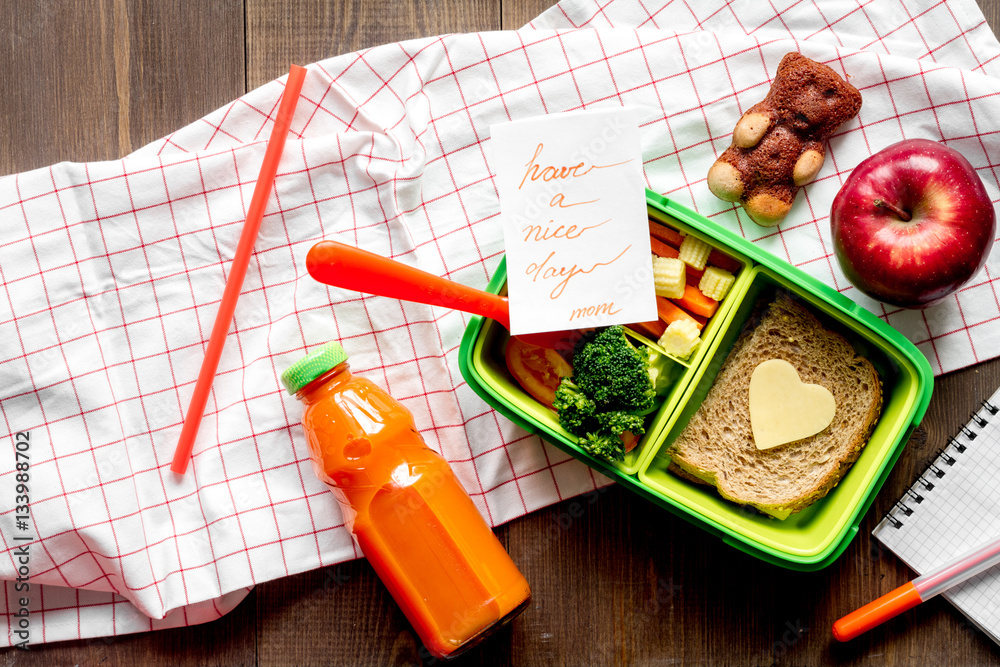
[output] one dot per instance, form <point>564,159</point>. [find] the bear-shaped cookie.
<point>780,143</point>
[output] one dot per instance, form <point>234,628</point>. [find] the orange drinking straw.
<point>238,270</point>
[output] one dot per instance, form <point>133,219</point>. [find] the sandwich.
<point>717,445</point>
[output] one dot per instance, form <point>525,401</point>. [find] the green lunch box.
<point>808,540</point>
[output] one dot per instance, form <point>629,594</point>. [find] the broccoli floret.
<point>611,388</point>
<point>576,411</point>
<point>613,373</point>
<point>617,422</point>
<point>603,446</point>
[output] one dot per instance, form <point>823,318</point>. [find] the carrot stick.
<point>702,321</point>
<point>661,249</point>
<point>665,234</point>
<point>697,303</point>
<point>652,330</point>
<point>238,269</point>
<point>723,261</point>
<point>670,312</point>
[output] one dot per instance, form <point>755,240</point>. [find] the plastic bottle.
<point>411,517</point>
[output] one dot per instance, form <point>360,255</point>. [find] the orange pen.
<point>919,590</point>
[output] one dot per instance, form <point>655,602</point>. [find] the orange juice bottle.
<point>411,517</point>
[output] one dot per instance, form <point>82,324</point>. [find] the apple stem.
<point>903,215</point>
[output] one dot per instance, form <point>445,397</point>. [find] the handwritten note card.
<point>574,219</point>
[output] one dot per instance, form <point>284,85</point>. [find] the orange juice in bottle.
<point>410,515</point>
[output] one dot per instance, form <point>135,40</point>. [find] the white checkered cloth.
<point>112,273</point>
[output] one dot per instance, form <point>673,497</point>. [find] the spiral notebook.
<point>952,507</point>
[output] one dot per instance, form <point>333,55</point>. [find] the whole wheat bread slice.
<point>717,447</point>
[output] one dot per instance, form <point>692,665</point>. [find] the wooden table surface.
<point>617,581</point>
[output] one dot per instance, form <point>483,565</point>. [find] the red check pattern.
<point>112,273</point>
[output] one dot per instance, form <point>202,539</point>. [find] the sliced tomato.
<point>630,440</point>
<point>538,370</point>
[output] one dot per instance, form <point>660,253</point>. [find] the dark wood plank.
<point>227,641</point>
<point>991,11</point>
<point>285,32</point>
<point>96,79</point>
<point>181,63</point>
<point>517,13</point>
<point>59,97</point>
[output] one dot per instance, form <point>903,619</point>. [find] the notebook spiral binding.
<point>944,458</point>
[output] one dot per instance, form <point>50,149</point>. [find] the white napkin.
<point>112,272</point>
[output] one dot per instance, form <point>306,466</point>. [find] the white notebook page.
<point>953,507</point>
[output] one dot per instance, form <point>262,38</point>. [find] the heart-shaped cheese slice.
<point>782,408</point>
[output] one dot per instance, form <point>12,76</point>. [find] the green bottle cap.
<point>311,366</point>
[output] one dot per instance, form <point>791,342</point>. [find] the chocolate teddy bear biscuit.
<point>779,143</point>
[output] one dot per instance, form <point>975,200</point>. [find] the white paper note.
<point>574,217</point>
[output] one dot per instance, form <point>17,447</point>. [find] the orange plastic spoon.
<point>345,266</point>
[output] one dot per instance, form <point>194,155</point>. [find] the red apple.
<point>912,223</point>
